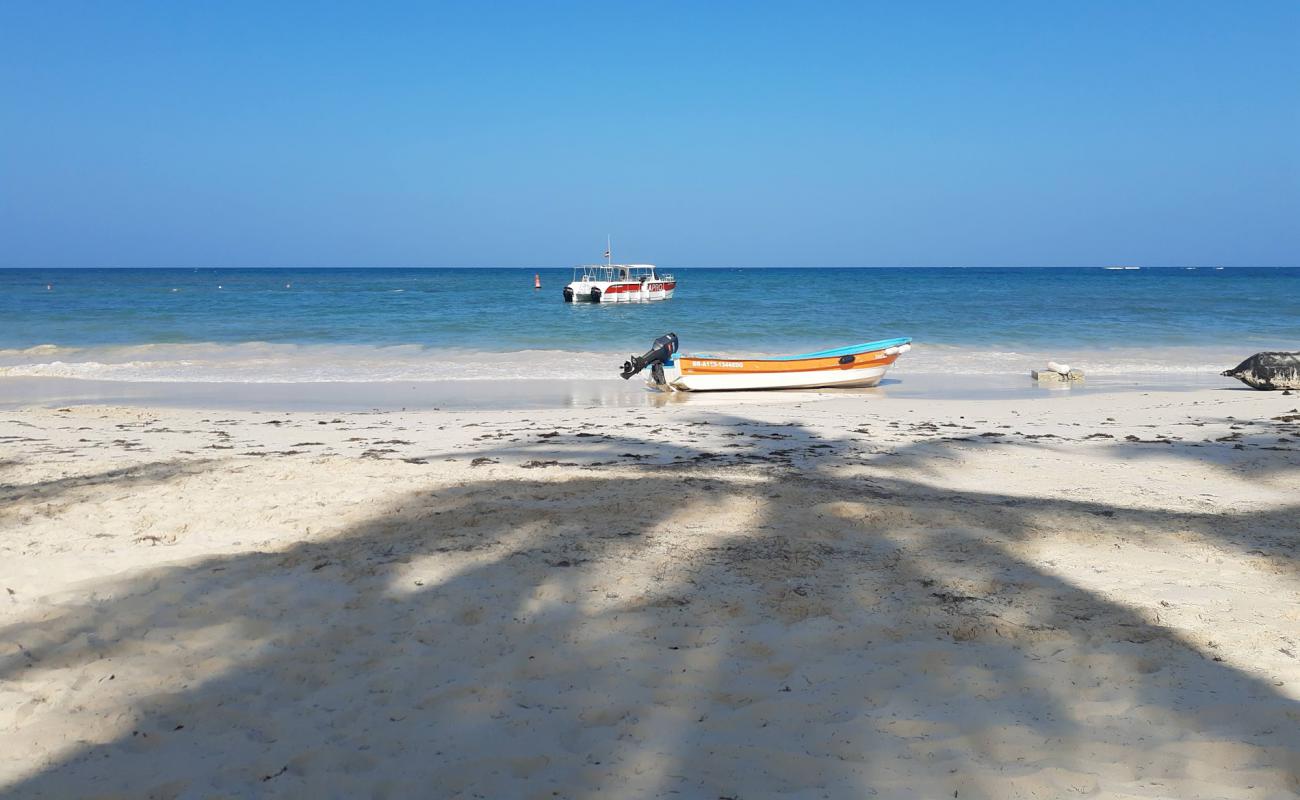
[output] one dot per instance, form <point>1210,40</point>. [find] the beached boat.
<point>857,365</point>
<point>618,283</point>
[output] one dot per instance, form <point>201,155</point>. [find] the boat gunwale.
<point>849,350</point>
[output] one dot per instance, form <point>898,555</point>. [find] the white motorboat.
<point>618,283</point>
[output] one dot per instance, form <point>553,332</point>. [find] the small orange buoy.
<point>537,281</point>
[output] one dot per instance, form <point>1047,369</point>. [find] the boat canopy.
<point>615,272</point>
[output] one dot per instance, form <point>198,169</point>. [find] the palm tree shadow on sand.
<point>715,626</point>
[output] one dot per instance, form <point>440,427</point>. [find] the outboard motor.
<point>568,294</point>
<point>661,352</point>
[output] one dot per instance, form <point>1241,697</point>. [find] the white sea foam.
<point>264,362</point>
<point>933,359</point>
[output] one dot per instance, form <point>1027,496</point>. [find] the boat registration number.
<point>723,364</point>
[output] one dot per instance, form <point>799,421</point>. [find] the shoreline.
<point>535,393</point>
<point>282,362</point>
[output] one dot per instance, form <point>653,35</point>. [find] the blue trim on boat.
<point>852,349</point>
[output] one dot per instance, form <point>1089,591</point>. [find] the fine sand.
<point>796,596</point>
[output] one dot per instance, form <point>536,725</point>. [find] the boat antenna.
<point>608,260</point>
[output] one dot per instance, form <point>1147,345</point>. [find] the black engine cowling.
<point>660,352</point>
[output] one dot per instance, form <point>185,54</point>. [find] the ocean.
<point>308,325</point>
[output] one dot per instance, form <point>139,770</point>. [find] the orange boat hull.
<point>834,369</point>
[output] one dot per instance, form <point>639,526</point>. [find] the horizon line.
<point>665,266</point>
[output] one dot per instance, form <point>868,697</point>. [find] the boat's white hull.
<point>621,292</point>
<point>731,382</point>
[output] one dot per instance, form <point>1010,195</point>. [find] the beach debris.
<point>275,775</point>
<point>1057,373</point>
<point>1268,371</point>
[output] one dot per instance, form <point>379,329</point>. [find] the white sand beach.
<point>797,596</point>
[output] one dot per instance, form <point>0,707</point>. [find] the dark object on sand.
<point>1268,371</point>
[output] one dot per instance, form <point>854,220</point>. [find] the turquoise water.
<point>404,323</point>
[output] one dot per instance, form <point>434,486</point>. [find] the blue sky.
<point>762,134</point>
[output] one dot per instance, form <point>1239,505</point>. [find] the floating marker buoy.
<point>537,281</point>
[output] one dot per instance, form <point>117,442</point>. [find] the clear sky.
<point>694,133</point>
